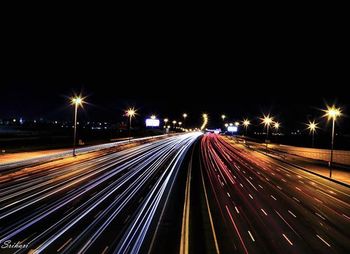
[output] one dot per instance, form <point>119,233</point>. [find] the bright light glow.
<point>223,117</point>
<point>184,115</point>
<point>166,120</point>
<point>180,123</point>
<point>130,112</point>
<point>226,125</point>
<point>276,125</point>
<point>152,122</point>
<point>246,122</point>
<point>232,128</point>
<point>205,121</point>
<point>312,126</point>
<point>332,112</point>
<point>236,123</point>
<point>174,122</point>
<point>153,117</point>
<point>231,124</point>
<point>77,100</point>
<point>267,120</point>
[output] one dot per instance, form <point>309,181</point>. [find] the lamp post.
<point>76,101</point>
<point>246,123</point>
<point>267,120</point>
<point>184,115</point>
<point>312,126</point>
<point>332,113</point>
<point>131,112</point>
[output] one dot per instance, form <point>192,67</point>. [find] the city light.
<point>223,117</point>
<point>332,113</point>
<point>246,123</point>
<point>153,117</point>
<point>312,126</point>
<point>267,120</point>
<point>205,121</point>
<point>130,112</point>
<point>276,125</point>
<point>166,120</point>
<point>76,101</point>
<point>184,115</point>
<point>237,124</point>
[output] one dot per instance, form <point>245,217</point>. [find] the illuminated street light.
<point>276,125</point>
<point>267,121</point>
<point>184,115</point>
<point>180,123</point>
<point>166,120</point>
<point>130,112</point>
<point>237,124</point>
<point>205,121</point>
<point>226,125</point>
<point>153,117</point>
<point>312,126</point>
<point>223,117</point>
<point>246,123</point>
<point>76,101</point>
<point>332,113</point>
<point>231,124</point>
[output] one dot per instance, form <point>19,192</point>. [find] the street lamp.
<point>205,121</point>
<point>76,101</point>
<point>332,113</point>
<point>237,124</point>
<point>223,117</point>
<point>312,126</point>
<point>246,123</point>
<point>184,115</point>
<point>131,112</point>
<point>267,121</point>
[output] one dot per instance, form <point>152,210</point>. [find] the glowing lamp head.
<point>180,123</point>
<point>276,125</point>
<point>153,117</point>
<point>166,120</point>
<point>184,115</point>
<point>226,125</point>
<point>246,122</point>
<point>131,112</point>
<point>312,126</point>
<point>267,120</point>
<point>236,123</point>
<point>332,112</point>
<point>77,100</point>
<point>223,117</point>
<point>174,122</point>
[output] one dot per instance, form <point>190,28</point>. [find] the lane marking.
<point>285,237</point>
<point>323,240</point>
<point>292,214</point>
<point>273,197</point>
<point>210,217</point>
<point>251,196</point>
<point>263,211</point>
<point>251,236</point>
<point>237,209</point>
<point>319,215</point>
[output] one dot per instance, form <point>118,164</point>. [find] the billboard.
<point>152,122</point>
<point>232,128</point>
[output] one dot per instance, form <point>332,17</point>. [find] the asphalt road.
<point>260,205</point>
<point>103,202</point>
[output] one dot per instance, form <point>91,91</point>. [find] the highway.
<point>100,202</point>
<point>256,204</point>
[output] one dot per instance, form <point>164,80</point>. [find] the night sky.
<point>290,73</point>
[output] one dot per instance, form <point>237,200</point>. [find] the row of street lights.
<point>332,113</point>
